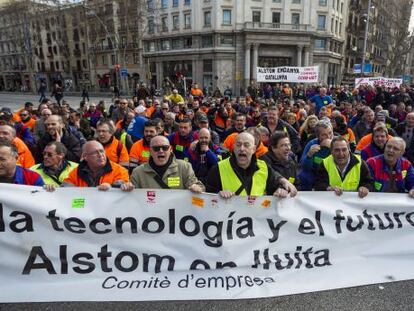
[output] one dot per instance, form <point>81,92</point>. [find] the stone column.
<point>306,60</point>
<point>299,55</point>
<point>247,64</point>
<point>159,73</point>
<point>255,60</point>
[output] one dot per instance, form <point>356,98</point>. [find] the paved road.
<point>17,100</point>
<point>384,297</point>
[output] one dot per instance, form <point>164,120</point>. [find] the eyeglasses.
<point>96,153</point>
<point>49,154</point>
<point>158,148</point>
<point>164,108</point>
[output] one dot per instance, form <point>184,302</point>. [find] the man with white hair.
<point>243,174</point>
<point>136,127</point>
<point>96,170</point>
<point>391,171</point>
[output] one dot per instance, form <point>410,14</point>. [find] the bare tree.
<point>400,43</point>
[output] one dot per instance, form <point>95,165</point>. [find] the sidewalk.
<point>73,94</point>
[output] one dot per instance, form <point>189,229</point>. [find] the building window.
<point>151,26</point>
<point>295,19</point>
<point>176,44</point>
<point>276,18</point>
<point>175,3</point>
<point>136,58</point>
<point>321,22</point>
<point>84,64</point>
<point>277,1</point>
<point>164,23</point>
<point>164,4</point>
<point>207,19</point>
<point>165,45</point>
<point>323,2</point>
<point>113,59</point>
<point>187,2</point>
<point>256,16</point>
<point>187,20</point>
<point>150,5</point>
<point>207,41</point>
<point>103,59</point>
<point>188,42</point>
<point>319,44</point>
<point>227,40</point>
<point>226,17</point>
<point>208,65</point>
<point>176,22</point>
<point>295,1</point>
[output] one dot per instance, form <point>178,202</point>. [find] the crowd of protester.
<point>276,140</point>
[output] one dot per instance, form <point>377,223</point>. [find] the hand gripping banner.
<point>79,244</point>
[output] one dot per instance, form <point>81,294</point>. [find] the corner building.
<point>219,43</point>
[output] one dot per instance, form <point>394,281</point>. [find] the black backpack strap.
<point>160,182</point>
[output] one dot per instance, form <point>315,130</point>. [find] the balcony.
<point>277,26</point>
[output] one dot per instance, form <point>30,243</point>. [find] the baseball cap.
<point>202,118</point>
<point>140,109</point>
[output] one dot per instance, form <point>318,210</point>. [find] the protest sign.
<point>79,244</point>
<point>379,81</point>
<point>288,74</point>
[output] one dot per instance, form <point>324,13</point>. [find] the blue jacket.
<point>308,166</point>
<point>23,176</point>
<point>136,127</point>
<point>404,174</point>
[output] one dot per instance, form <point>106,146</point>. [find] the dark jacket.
<point>71,142</point>
<point>293,134</point>
<point>365,180</point>
<point>213,182</point>
<point>288,169</point>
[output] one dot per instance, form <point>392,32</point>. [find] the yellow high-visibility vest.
<point>231,182</point>
<point>351,180</point>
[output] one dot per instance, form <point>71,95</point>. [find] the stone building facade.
<point>220,43</point>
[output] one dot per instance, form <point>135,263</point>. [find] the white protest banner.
<point>78,244</point>
<point>378,81</point>
<point>288,74</point>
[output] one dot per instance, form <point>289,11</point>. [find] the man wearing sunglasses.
<point>54,168</point>
<point>164,171</point>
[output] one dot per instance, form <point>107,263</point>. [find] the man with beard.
<point>56,131</point>
<point>239,124</point>
<point>204,155</point>
<point>274,123</point>
<point>140,151</point>
<point>243,174</point>
<point>114,149</point>
<point>27,119</point>
<point>164,171</point>
<point>55,168</point>
<point>343,171</point>
<point>391,171</point>
<point>96,170</point>
<point>379,139</point>
<point>181,140</point>
<point>279,157</point>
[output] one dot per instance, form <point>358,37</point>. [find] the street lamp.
<point>366,37</point>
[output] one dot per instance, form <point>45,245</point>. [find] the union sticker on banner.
<point>288,74</point>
